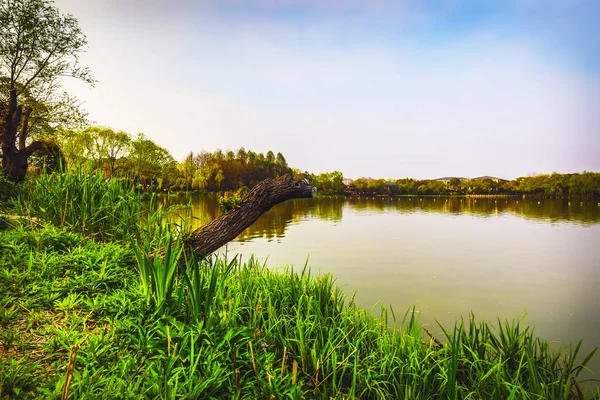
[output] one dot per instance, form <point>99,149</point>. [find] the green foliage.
<point>85,203</point>
<point>230,200</point>
<point>157,274</point>
<point>117,153</point>
<point>329,183</point>
<point>38,47</point>
<point>586,184</point>
<point>230,171</point>
<point>7,189</point>
<point>150,161</point>
<point>203,284</point>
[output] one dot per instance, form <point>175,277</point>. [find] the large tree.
<point>105,146</point>
<point>38,47</point>
<point>149,160</point>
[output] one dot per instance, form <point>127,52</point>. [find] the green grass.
<point>85,314</point>
<point>85,203</point>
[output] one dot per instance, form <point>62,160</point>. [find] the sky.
<point>373,88</point>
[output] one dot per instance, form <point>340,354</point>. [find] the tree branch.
<point>42,67</point>
<point>24,128</point>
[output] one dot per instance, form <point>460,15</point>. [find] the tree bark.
<point>12,164</point>
<point>15,160</point>
<point>24,129</point>
<point>209,238</point>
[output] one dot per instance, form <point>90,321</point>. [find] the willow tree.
<point>38,47</point>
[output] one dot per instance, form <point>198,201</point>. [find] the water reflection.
<point>550,210</point>
<point>272,225</point>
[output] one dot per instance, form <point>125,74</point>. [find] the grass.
<point>85,203</point>
<point>86,313</point>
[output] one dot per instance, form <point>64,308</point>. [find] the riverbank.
<point>85,313</point>
<point>78,317</point>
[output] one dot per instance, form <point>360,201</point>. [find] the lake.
<point>446,256</point>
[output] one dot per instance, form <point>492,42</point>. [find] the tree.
<point>149,160</point>
<point>242,155</point>
<point>280,160</point>
<point>210,237</point>
<point>330,182</point>
<point>270,157</point>
<point>187,169</point>
<point>454,184</point>
<point>38,46</point>
<point>252,157</point>
<point>74,145</point>
<point>116,145</point>
<point>201,158</point>
<point>219,178</point>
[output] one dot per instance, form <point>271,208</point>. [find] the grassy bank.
<point>85,313</point>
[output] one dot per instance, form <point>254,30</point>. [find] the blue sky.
<point>372,88</point>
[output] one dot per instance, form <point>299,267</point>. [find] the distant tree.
<point>280,160</point>
<point>219,178</point>
<point>38,46</point>
<point>104,145</point>
<point>218,155</point>
<point>187,169</point>
<point>299,175</point>
<point>201,158</point>
<point>149,160</point>
<point>270,158</point>
<point>454,184</point>
<point>74,145</point>
<point>330,182</point>
<point>118,144</point>
<point>242,155</point>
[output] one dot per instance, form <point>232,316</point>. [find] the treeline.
<point>115,153</point>
<point>219,171</point>
<point>586,184</point>
<point>120,154</point>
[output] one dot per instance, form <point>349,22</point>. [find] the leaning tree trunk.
<point>208,238</point>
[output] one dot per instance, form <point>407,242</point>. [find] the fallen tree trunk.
<point>209,238</point>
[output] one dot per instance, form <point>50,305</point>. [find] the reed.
<point>158,274</point>
<point>84,202</point>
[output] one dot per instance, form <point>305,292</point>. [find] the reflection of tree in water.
<point>273,223</point>
<point>552,210</point>
<point>198,210</point>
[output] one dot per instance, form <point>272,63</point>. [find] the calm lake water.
<point>447,256</point>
